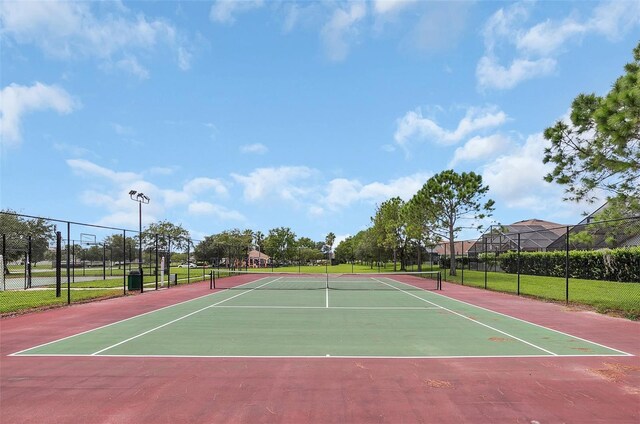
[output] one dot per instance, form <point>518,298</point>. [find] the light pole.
<point>140,198</point>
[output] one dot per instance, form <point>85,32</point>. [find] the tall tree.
<point>389,227</point>
<point>17,231</point>
<point>365,246</point>
<point>447,199</point>
<point>345,251</point>
<point>119,249</point>
<point>600,147</point>
<point>166,231</point>
<point>418,216</point>
<point>280,244</point>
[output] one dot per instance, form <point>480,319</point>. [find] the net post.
<point>212,281</point>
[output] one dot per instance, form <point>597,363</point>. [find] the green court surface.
<point>376,317</point>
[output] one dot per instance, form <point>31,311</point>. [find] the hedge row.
<point>621,264</point>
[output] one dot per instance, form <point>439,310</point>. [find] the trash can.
<point>134,280</point>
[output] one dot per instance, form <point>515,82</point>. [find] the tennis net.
<point>257,280</point>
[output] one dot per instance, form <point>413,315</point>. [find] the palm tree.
<point>329,240</point>
<point>258,237</point>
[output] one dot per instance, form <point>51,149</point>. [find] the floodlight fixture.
<point>140,198</point>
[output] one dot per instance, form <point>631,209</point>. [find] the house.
<point>257,259</point>
<point>461,247</point>
<point>598,231</point>
<point>533,235</point>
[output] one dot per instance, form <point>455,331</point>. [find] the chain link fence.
<point>594,263</point>
<point>49,262</point>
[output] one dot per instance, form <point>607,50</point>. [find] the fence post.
<point>28,262</point>
<point>104,261</point>
<point>68,263</point>
<point>566,270</point>
<point>4,258</point>
<point>462,265</point>
<point>518,265</point>
<point>58,264</point>
<point>486,259</point>
<point>156,261</point>
<point>169,262</point>
<point>124,261</point>
<point>188,261</point>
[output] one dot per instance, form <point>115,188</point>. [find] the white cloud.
<point>131,65</point>
<point>535,48</point>
<point>479,148</point>
<point>504,24</point>
<point>220,212</point>
<point>517,180</point>
<point>491,74</point>
<point>184,58</point>
<point>280,183</point>
<point>71,149</point>
<point>337,34</point>
<point>202,184</point>
<point>256,148</point>
<point>162,170</point>
<point>113,195</point>
<point>614,18</point>
<point>440,26</point>
<point>88,168</point>
<point>71,29</point>
<point>18,100</point>
<point>342,192</point>
<point>122,129</point>
<point>414,127</point>
<point>547,37</point>
<point>222,11</point>
<point>384,7</point>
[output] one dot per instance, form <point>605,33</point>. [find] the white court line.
<point>471,319</point>
<point>382,308</point>
<point>130,318</point>
<point>326,290</point>
<point>181,318</point>
<point>87,355</point>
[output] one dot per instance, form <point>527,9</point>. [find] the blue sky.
<point>259,114</point>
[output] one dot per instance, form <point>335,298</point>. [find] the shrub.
<point>622,264</point>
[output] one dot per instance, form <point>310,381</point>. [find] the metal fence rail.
<point>48,262</point>
<point>593,263</point>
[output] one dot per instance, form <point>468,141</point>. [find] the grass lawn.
<point>604,296</point>
<point>16,300</point>
<point>332,269</point>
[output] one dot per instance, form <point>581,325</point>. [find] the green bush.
<point>621,264</point>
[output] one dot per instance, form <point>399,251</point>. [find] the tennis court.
<point>320,315</point>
